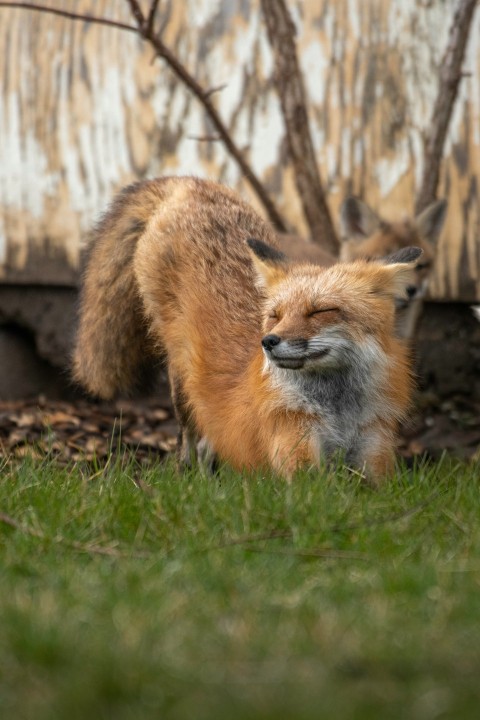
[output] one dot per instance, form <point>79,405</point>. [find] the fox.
<point>366,234</point>
<point>273,365</point>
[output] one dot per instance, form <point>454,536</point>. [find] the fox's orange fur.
<point>365,235</point>
<point>173,271</point>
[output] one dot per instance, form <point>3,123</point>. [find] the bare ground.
<point>85,430</point>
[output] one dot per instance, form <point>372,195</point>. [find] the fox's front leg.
<point>290,452</point>
<point>191,447</point>
<point>187,438</point>
<point>378,457</point>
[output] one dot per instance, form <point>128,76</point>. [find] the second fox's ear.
<point>399,271</point>
<point>269,263</point>
<point>405,255</point>
<point>357,219</point>
<point>430,221</point>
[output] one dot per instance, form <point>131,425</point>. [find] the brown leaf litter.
<point>83,430</point>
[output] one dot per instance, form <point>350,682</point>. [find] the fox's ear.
<point>405,255</point>
<point>269,263</point>
<point>430,222</point>
<point>400,271</point>
<point>357,219</point>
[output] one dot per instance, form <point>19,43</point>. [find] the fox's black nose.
<point>269,341</point>
<point>411,291</point>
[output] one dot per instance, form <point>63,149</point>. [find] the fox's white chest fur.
<point>341,401</point>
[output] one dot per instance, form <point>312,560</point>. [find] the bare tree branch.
<point>138,14</point>
<point>450,76</point>
<point>70,15</point>
<point>151,15</point>
<point>205,98</point>
<point>204,138</point>
<point>289,84</point>
<point>215,89</point>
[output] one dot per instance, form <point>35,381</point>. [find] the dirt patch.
<point>85,430</point>
<point>75,431</point>
<point>439,425</point>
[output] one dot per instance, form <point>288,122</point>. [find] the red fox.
<point>366,235</point>
<point>272,365</point>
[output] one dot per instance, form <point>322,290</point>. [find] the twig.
<point>7,520</point>
<point>274,534</point>
<point>284,533</point>
<point>322,553</point>
<point>138,15</point>
<point>101,550</point>
<point>70,15</point>
<point>91,549</point>
<point>205,98</point>
<point>204,138</point>
<point>215,89</point>
<point>393,517</point>
<point>151,15</point>
<point>450,76</point>
<point>289,83</point>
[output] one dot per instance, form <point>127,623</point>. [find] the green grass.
<point>133,593</point>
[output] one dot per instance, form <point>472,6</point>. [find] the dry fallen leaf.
<point>57,418</point>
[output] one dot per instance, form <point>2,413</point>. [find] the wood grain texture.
<point>83,111</point>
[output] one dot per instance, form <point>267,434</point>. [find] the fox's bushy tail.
<point>112,349</point>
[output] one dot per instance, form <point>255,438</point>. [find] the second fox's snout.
<point>269,341</point>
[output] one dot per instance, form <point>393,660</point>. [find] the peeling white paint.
<point>358,153</point>
<point>177,109</point>
<point>472,63</point>
<point>318,137</point>
<point>202,11</point>
<point>229,97</point>
<point>331,158</point>
<point>3,243</point>
<point>297,19</point>
<point>416,144</point>
<point>243,43</point>
<point>266,56</point>
<point>314,65</point>
<point>421,51</point>
<point>346,159</point>
<point>354,18</point>
<point>160,99</point>
<point>267,134</point>
<point>24,176</point>
<point>242,128</point>
<point>187,157</point>
<point>388,171</point>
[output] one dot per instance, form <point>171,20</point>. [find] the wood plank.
<point>84,111</point>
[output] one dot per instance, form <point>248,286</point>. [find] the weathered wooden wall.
<point>84,110</point>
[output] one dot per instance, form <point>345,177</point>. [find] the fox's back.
<point>250,341</point>
<point>193,264</point>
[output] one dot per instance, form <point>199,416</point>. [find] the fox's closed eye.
<point>423,266</point>
<point>322,310</point>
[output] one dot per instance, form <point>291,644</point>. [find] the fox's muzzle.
<point>269,341</point>
<point>291,354</point>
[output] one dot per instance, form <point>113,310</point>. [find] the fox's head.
<point>366,235</point>
<point>320,318</point>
